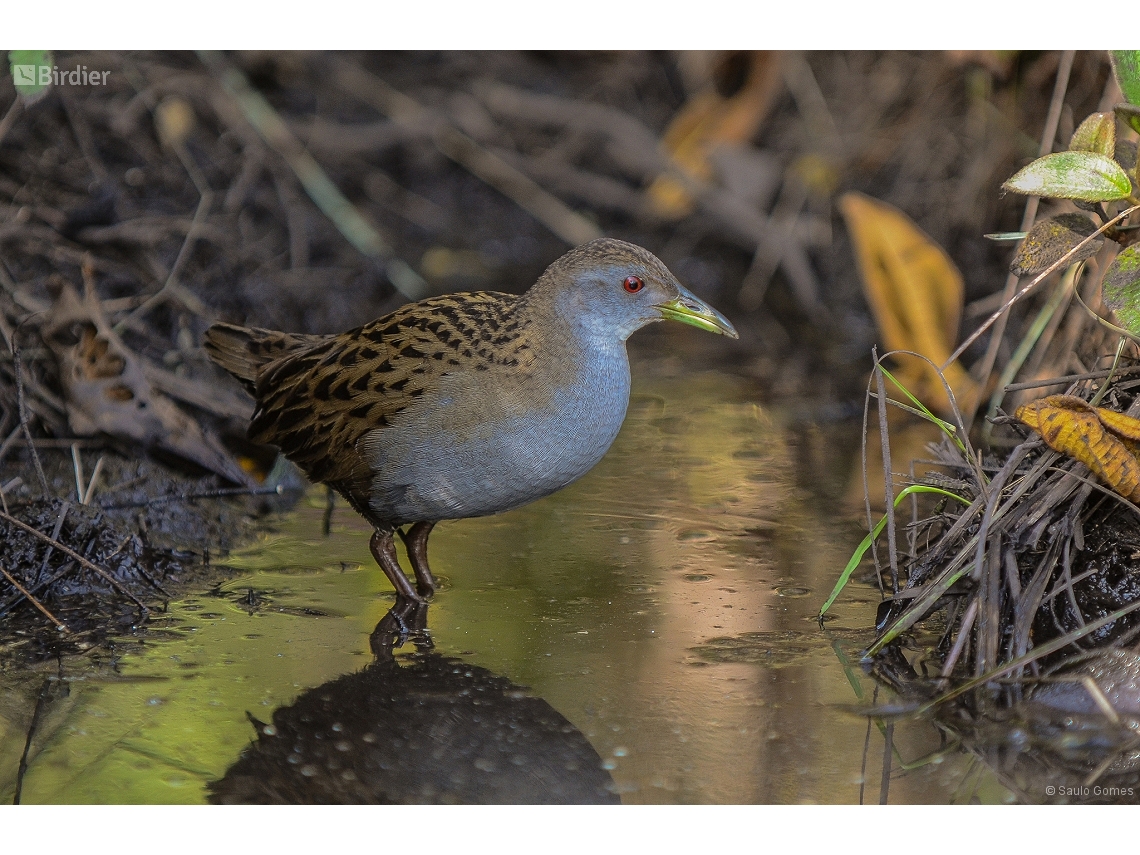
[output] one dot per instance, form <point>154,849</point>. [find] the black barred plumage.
<point>320,393</point>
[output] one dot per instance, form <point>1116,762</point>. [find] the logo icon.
<point>24,75</point>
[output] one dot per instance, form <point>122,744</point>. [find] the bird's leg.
<point>384,551</point>
<point>415,541</point>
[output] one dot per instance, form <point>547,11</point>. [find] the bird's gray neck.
<point>576,341</point>
<point>566,313</point>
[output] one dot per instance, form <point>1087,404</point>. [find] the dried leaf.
<point>1082,175</point>
<point>1097,133</point>
<point>1097,437</point>
<point>1126,67</point>
<point>106,391</point>
<point>1050,239</point>
<point>1125,427</point>
<point>915,293</point>
<point>1121,288</point>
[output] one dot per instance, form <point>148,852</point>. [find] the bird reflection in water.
<point>424,729</point>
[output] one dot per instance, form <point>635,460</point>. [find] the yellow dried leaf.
<point>1074,427</point>
<point>1120,424</point>
<point>915,293</point>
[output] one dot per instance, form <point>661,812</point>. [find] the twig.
<point>64,508</point>
<point>10,441</point>
<point>321,189</point>
<point>83,136</point>
<point>183,497</point>
<point>1047,319</point>
<point>960,641</point>
<point>294,220</point>
<point>638,150</point>
<point>171,287</point>
<point>785,219</point>
<point>1106,764</point>
<point>988,597</point>
<point>1045,649</point>
<point>810,101</point>
<point>39,586</point>
<point>22,769</point>
<point>1069,379</point>
<point>94,479</point>
<point>22,407</point>
<point>344,140</point>
<point>888,488</point>
<point>60,625</point>
<point>253,161</point>
<point>77,467</point>
<point>1048,134</point>
<point>866,475</point>
<point>1060,262</point>
<point>143,610</point>
<point>65,442</point>
<point>597,191</point>
<point>549,210</point>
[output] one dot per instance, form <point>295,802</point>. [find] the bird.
<point>460,405</point>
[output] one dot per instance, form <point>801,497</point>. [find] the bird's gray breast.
<point>485,442</point>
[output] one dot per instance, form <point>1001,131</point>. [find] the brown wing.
<point>316,403</point>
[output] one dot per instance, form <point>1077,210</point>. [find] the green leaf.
<point>27,75</point>
<point>1096,133</point>
<point>1121,288</point>
<point>1050,239</point>
<point>1083,175</point>
<point>1126,67</point>
<point>1129,114</point>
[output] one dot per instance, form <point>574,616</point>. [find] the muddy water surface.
<point>645,635</point>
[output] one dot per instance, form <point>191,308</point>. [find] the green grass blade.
<point>862,548</point>
<point>943,425</point>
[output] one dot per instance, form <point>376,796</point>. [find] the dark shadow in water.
<point>426,729</point>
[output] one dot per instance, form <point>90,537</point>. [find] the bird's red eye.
<point>633,284</point>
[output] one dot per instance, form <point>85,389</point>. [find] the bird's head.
<point>614,288</point>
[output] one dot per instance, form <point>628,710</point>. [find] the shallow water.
<point>662,607</point>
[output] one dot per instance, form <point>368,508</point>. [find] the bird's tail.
<point>243,351</point>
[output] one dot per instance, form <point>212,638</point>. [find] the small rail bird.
<point>462,405</point>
